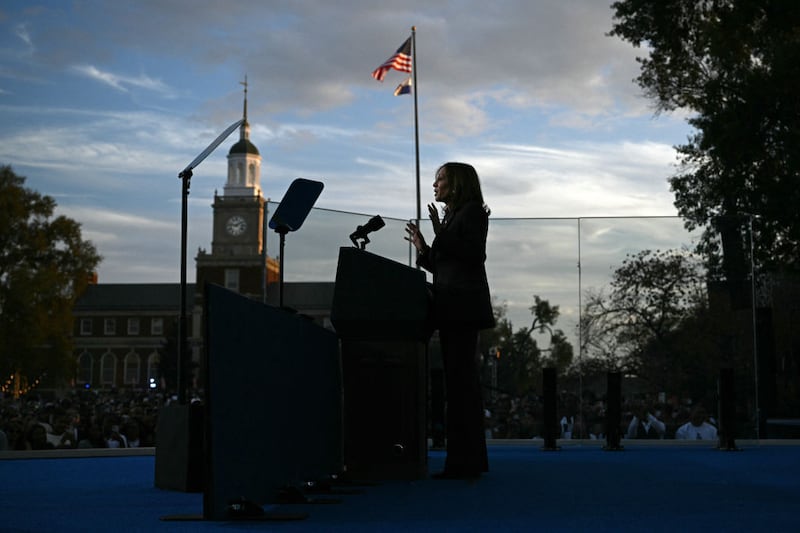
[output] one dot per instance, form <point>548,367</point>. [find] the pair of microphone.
<point>359,236</point>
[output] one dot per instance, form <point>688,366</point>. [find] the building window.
<point>86,326</point>
<point>157,326</point>
<point>132,369</point>
<point>108,369</point>
<point>133,326</point>
<point>110,326</point>
<point>232,279</point>
<point>85,364</point>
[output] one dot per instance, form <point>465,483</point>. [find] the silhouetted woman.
<point>461,308</point>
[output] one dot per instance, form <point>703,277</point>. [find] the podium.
<point>273,412</point>
<point>380,312</point>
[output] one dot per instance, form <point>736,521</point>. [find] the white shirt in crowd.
<point>704,431</point>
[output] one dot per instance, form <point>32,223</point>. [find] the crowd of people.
<point>80,419</point>
<point>509,417</point>
<point>128,419</point>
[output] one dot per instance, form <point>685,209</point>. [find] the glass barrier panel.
<point>594,298</point>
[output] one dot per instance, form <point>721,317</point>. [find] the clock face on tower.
<point>236,225</point>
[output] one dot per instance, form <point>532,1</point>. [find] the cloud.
<point>21,31</point>
<point>533,94</point>
<point>586,179</point>
<point>545,53</point>
<point>122,83</point>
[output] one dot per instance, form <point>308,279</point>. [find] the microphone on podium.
<point>361,232</point>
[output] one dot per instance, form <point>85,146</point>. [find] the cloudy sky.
<point>103,103</point>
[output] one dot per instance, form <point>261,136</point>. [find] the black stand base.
<point>179,448</point>
<point>551,448</point>
<point>265,516</point>
<point>241,510</point>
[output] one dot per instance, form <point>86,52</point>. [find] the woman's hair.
<point>464,185</point>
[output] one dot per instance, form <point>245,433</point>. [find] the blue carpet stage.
<point>646,487</point>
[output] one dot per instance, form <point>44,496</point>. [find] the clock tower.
<point>238,258</point>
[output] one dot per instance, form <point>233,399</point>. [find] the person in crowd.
<point>596,420</point>
<point>15,432</point>
<point>92,437</point>
<point>461,307</point>
<point>37,437</point>
<point>114,438</point>
<point>567,423</point>
<point>63,435</point>
<point>131,433</point>
<point>697,428</point>
<point>645,425</point>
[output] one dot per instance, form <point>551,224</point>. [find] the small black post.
<point>282,233</point>
<point>550,410</point>
<point>614,412</point>
<point>727,410</point>
<point>437,408</point>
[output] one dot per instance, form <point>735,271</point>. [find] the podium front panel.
<point>384,409</point>
<point>377,298</point>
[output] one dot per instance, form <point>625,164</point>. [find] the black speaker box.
<point>179,448</point>
<point>614,411</point>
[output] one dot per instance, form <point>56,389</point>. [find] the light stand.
<point>186,176</point>
<point>179,451</point>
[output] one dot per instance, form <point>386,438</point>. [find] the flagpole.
<point>416,122</point>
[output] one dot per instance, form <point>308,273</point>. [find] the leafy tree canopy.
<point>734,64</point>
<point>44,266</point>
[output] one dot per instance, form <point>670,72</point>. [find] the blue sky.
<point>102,104</point>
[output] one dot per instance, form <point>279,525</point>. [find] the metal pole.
<point>755,325</point>
<point>264,256</point>
<point>580,335</point>
<point>185,176</point>
<point>415,90</point>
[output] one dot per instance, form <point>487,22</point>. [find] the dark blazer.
<point>457,258</point>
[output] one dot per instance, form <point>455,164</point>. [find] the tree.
<point>635,328</point>
<point>521,359</point>
<point>44,266</point>
<point>734,64</point>
<point>559,354</point>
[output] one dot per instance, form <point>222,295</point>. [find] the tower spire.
<point>244,129</point>
<point>244,161</point>
<point>244,114</point>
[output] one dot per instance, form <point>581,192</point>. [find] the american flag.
<point>401,60</point>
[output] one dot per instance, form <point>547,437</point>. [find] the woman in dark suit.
<point>461,307</point>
